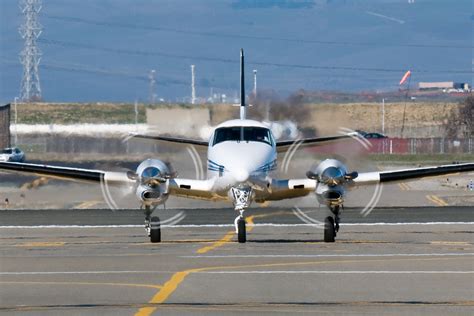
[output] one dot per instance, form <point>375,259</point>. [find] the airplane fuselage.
<point>241,153</point>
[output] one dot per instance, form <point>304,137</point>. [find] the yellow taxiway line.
<point>437,200</point>
<point>229,235</point>
<point>176,279</point>
<point>86,205</point>
<point>226,239</point>
<point>403,186</point>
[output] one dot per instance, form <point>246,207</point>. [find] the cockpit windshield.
<point>243,133</point>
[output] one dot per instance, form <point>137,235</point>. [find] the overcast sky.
<point>103,50</point>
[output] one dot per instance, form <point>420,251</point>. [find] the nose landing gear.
<point>240,228</point>
<point>242,197</point>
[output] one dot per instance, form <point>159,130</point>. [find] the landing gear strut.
<point>331,225</point>
<point>329,229</point>
<point>242,200</point>
<point>152,225</point>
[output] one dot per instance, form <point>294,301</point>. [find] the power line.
<point>168,81</point>
<point>243,36</point>
<point>232,61</point>
<point>85,69</point>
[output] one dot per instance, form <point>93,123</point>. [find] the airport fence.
<point>403,146</point>
<point>117,146</point>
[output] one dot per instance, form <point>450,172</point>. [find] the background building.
<point>447,86</point>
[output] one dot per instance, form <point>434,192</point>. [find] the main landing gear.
<point>152,225</point>
<point>331,225</point>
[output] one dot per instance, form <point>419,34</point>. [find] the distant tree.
<point>462,121</point>
<point>466,114</point>
<point>291,109</point>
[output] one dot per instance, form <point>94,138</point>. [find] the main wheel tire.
<point>155,229</point>
<point>329,230</point>
<point>241,231</point>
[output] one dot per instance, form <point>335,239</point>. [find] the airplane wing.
<point>194,189</point>
<point>280,145</point>
<point>67,173</point>
<point>197,189</point>
<point>290,188</point>
<point>410,174</point>
<point>307,142</point>
<point>174,140</point>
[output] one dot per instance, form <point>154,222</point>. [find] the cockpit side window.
<point>243,133</point>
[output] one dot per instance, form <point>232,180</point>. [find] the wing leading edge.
<point>66,173</point>
<point>280,145</point>
<point>307,142</point>
<point>174,140</point>
<point>196,189</point>
<point>410,174</point>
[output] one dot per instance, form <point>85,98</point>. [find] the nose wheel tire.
<point>241,231</point>
<point>329,229</point>
<point>155,229</point>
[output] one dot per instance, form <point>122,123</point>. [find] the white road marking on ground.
<point>337,255</point>
<point>81,272</point>
<point>385,17</point>
<point>336,272</point>
<point>231,225</point>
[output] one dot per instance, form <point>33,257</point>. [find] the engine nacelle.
<point>156,195</point>
<point>331,172</point>
<point>330,196</point>
<point>152,178</point>
<point>332,177</point>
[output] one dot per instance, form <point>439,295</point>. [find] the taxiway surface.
<point>95,262</point>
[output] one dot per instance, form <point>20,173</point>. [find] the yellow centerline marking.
<point>34,184</point>
<point>227,238</point>
<point>172,284</point>
<point>436,200</point>
<point>440,200</point>
<point>403,186</point>
<point>87,204</point>
<point>42,244</point>
<point>229,235</point>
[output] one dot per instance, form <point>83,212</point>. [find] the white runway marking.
<point>336,272</point>
<point>81,272</point>
<point>385,17</point>
<point>239,272</point>
<point>338,255</point>
<point>231,225</point>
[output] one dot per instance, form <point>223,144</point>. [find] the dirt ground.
<point>402,119</point>
<point>418,119</point>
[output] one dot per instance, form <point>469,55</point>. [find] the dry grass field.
<point>421,119</point>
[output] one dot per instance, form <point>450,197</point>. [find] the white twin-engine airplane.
<point>242,161</point>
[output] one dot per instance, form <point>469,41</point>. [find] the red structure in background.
<point>399,146</point>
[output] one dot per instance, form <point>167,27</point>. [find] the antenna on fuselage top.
<point>243,109</point>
